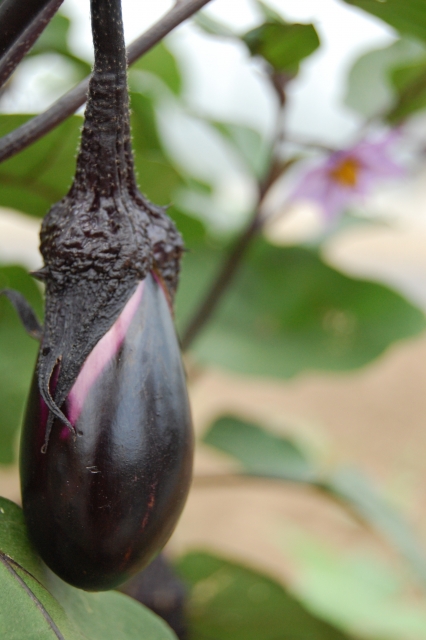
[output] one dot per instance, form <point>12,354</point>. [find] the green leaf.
<point>193,231</point>
<point>144,124</point>
<point>269,14</point>
<point>36,605</point>
<point>282,45</point>
<point>232,602</point>
<point>369,86</point>
<point>356,591</point>
<point>54,39</point>
<point>409,82</point>
<point>286,311</point>
<point>355,490</point>
<point>213,27</point>
<point>17,357</point>
<point>162,63</point>
<point>267,455</point>
<point>40,175</point>
<point>261,452</point>
<point>249,145</point>
<point>158,178</point>
<point>406,16</point>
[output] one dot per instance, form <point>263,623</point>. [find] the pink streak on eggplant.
<point>100,505</point>
<point>98,359</point>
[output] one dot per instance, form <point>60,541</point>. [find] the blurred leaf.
<point>249,145</point>
<point>259,451</point>
<point>267,455</point>
<point>355,490</point>
<point>359,593</point>
<point>287,311</point>
<point>36,605</point>
<point>410,84</point>
<point>231,602</point>
<point>269,14</point>
<point>369,89</point>
<point>54,39</point>
<point>282,45</point>
<point>17,357</point>
<point>157,176</point>
<point>213,27</point>
<point>144,124</point>
<point>193,231</point>
<point>40,175</point>
<point>407,16</point>
<point>162,63</point>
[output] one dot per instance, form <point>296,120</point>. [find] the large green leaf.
<point>369,86</point>
<point>162,63</point>
<point>213,27</point>
<point>409,82</point>
<point>231,602</point>
<point>158,178</point>
<point>17,357</point>
<point>54,39</point>
<point>37,605</point>
<point>249,145</point>
<point>268,13</point>
<point>41,174</point>
<point>358,591</point>
<point>286,311</point>
<point>282,45</point>
<point>354,489</point>
<point>261,452</point>
<point>264,454</point>
<point>407,16</point>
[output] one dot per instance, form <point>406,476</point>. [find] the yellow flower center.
<point>346,173</point>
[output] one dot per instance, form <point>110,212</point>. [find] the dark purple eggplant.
<point>100,505</point>
<point>106,449</point>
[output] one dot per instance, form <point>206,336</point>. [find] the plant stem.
<point>231,263</point>
<point>105,157</point>
<point>25,39</point>
<point>221,283</point>
<point>37,127</point>
<point>15,17</point>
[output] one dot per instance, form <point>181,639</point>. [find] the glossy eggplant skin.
<point>100,505</point>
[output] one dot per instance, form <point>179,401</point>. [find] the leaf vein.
<point>5,561</point>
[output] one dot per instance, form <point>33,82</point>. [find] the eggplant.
<point>100,505</point>
<point>106,448</point>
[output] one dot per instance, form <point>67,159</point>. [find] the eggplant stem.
<point>37,127</point>
<point>105,161</point>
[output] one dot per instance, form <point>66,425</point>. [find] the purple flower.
<point>348,175</point>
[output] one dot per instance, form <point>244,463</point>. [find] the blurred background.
<point>300,127</point>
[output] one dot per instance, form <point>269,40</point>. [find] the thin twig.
<point>38,126</point>
<point>231,263</point>
<point>220,284</point>
<point>15,17</point>
<point>26,39</point>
